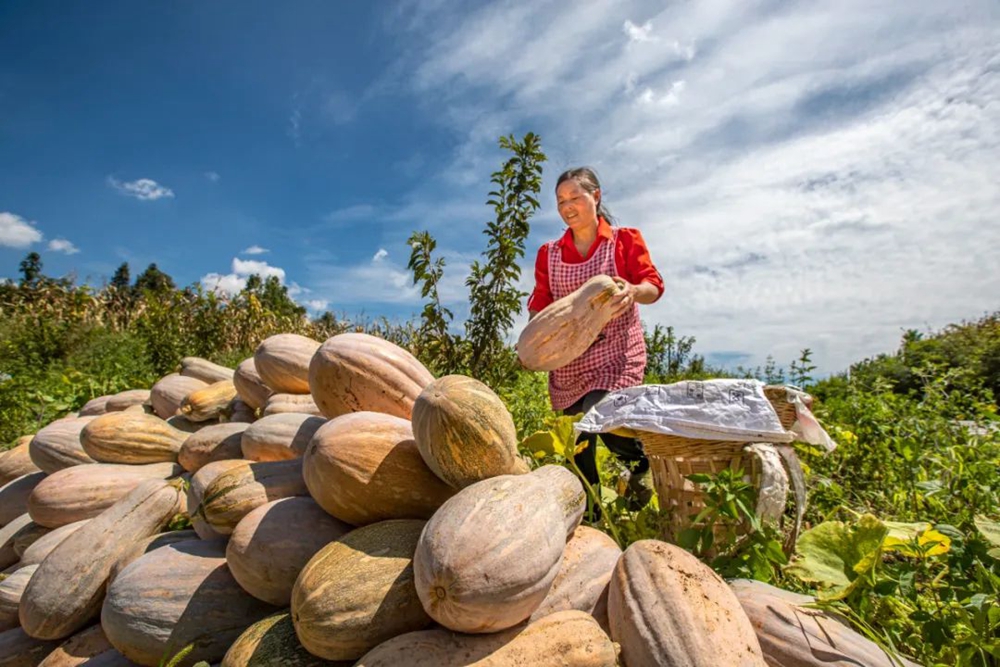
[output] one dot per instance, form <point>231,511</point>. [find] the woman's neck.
<point>584,238</point>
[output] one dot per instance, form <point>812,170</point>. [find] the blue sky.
<point>807,174</point>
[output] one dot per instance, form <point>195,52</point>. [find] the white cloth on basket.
<point>734,410</point>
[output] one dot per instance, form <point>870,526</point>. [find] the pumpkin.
<point>249,385</point>
<point>131,437</point>
<point>11,589</point>
<point>272,643</point>
<point>79,649</point>
<point>464,431</point>
<point>240,489</point>
<point>167,394</point>
<point>182,423</point>
<point>201,605</point>
<point>196,490</point>
<point>208,403</point>
<point>16,461</point>
<point>282,361</point>
<point>372,599</point>
<point>582,583</point>
<point>238,411</point>
<point>57,445</point>
<point>69,584</point>
<point>271,545</point>
<point>355,372</point>
<point>18,649</point>
<point>212,443</point>
<point>487,558</point>
<point>794,634</point>
<point>279,437</point>
<point>564,329</point>
<point>14,496</point>
<point>364,467</point>
<point>296,403</point>
<point>561,639</point>
<point>95,406</point>
<point>666,608</point>
<point>83,492</point>
<point>41,547</point>
<point>130,398</point>
<point>28,535</point>
<point>8,538</point>
<point>205,370</point>
<point>151,543</point>
<point>110,658</point>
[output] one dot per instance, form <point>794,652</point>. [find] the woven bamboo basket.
<point>672,459</point>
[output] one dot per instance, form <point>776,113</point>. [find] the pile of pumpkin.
<point>346,508</point>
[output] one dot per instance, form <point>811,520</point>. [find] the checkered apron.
<point>617,359</point>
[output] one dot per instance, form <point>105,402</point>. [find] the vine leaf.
<point>991,531</point>
<point>929,542</point>
<point>836,556</point>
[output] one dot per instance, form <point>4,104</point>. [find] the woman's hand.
<point>625,297</point>
<point>631,294</point>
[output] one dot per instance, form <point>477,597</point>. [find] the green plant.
<point>728,531</point>
<point>441,351</point>
<point>493,296</point>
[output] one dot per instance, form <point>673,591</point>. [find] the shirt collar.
<point>604,230</point>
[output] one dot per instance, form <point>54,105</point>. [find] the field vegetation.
<point>902,530</point>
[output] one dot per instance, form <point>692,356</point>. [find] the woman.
<point>617,359</point>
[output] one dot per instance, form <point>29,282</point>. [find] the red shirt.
<point>632,261</point>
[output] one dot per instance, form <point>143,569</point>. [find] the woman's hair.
<point>587,179</point>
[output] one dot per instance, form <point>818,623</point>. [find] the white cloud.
<point>254,250</point>
<point>340,108</point>
<point>295,289</point>
<point>144,189</point>
<point>247,267</point>
<point>236,280</point>
<point>380,255</point>
<point>669,98</point>
<point>212,176</point>
<point>638,33</point>
<point>228,283</point>
<point>295,125</point>
<point>317,305</point>
<point>63,246</point>
<point>828,200</point>
<point>352,213</point>
<point>16,232</point>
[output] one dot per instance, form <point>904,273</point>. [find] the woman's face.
<point>577,207</point>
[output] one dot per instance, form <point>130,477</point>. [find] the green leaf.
<point>608,495</point>
<point>835,556</point>
<point>775,553</point>
<point>558,440</point>
<point>916,540</point>
<point>541,444</point>
<point>989,529</point>
<point>688,538</point>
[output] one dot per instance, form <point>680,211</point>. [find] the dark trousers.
<point>627,449</point>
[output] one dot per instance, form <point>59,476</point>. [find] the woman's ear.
<point>597,197</point>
